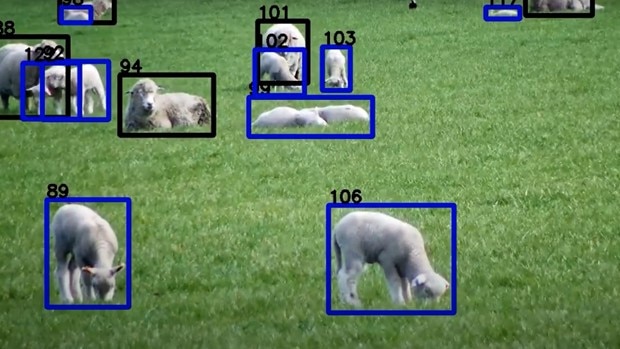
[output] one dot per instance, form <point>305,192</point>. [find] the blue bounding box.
<point>90,10</point>
<point>256,76</point>
<point>505,18</point>
<point>46,253</point>
<point>322,73</point>
<point>296,97</point>
<point>375,312</point>
<point>79,93</point>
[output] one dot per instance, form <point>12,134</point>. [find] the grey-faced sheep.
<point>289,117</point>
<point>346,112</point>
<point>85,246</point>
<point>148,109</point>
<point>372,237</point>
<point>275,65</point>
<point>55,83</point>
<point>336,69</point>
<point>287,35</point>
<point>10,70</point>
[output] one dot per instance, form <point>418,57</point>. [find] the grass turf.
<point>515,122</point>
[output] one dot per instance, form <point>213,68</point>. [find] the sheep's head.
<point>100,7</point>
<point>143,94</point>
<point>104,280</point>
<point>55,80</point>
<point>429,286</point>
<point>334,82</point>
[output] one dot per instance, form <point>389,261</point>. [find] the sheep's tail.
<point>338,255</point>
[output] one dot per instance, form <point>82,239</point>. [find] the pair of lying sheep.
<point>55,84</point>
<point>149,109</point>
<point>371,237</point>
<point>290,117</point>
<point>85,246</point>
<point>11,57</point>
<point>100,8</point>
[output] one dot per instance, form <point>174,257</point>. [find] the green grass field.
<point>515,122</point>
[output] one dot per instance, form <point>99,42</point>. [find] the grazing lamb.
<point>288,35</point>
<point>345,112</point>
<point>336,69</point>
<point>55,83</point>
<point>84,242</point>
<point>289,117</point>
<point>275,65</point>
<point>10,61</point>
<point>372,237</point>
<point>149,109</point>
<point>100,8</point>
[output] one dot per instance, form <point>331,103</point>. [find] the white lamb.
<point>55,83</point>
<point>289,117</point>
<point>148,109</point>
<point>100,8</point>
<point>275,65</point>
<point>85,245</point>
<point>336,69</point>
<point>289,36</point>
<point>345,112</point>
<point>372,237</point>
<point>11,56</point>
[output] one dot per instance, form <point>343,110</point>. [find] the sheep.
<point>336,70</point>
<point>373,237</point>
<point>84,242</point>
<point>100,8</point>
<point>289,117</point>
<point>276,66</point>
<point>287,35</point>
<point>10,70</point>
<point>55,82</point>
<point>76,16</point>
<point>345,112</point>
<point>562,5</point>
<point>149,109</point>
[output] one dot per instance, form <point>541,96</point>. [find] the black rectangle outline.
<point>528,14</point>
<point>119,105</point>
<point>67,54</point>
<point>258,42</point>
<point>107,22</point>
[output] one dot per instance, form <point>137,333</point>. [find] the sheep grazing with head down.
<point>275,65</point>
<point>85,245</point>
<point>55,83</point>
<point>289,117</point>
<point>335,63</point>
<point>148,109</point>
<point>287,35</point>
<point>372,237</point>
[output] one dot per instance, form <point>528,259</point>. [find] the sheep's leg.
<point>406,288</point>
<point>63,277</point>
<point>5,101</point>
<point>87,286</point>
<point>101,94</point>
<point>394,282</point>
<point>90,103</point>
<point>347,281</point>
<point>83,100</point>
<point>74,275</point>
<point>74,104</point>
<point>343,76</point>
<point>58,106</point>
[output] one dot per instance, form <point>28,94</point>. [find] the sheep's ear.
<point>419,280</point>
<point>89,270</point>
<point>116,269</point>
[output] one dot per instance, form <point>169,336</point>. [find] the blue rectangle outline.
<point>65,119</point>
<point>322,72</point>
<point>488,18</point>
<point>256,69</point>
<point>359,312</point>
<point>90,10</point>
<point>46,253</point>
<point>317,97</point>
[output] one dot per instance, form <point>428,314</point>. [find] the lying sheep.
<point>85,245</point>
<point>289,117</point>
<point>55,83</point>
<point>10,70</point>
<point>561,5</point>
<point>275,65</point>
<point>372,237</point>
<point>287,35</point>
<point>149,109</point>
<point>100,8</point>
<point>345,112</point>
<point>336,69</point>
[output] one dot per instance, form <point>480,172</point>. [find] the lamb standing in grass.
<point>336,69</point>
<point>338,113</point>
<point>55,83</point>
<point>289,117</point>
<point>287,35</point>
<point>149,109</point>
<point>85,245</point>
<point>275,65</point>
<point>372,237</point>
